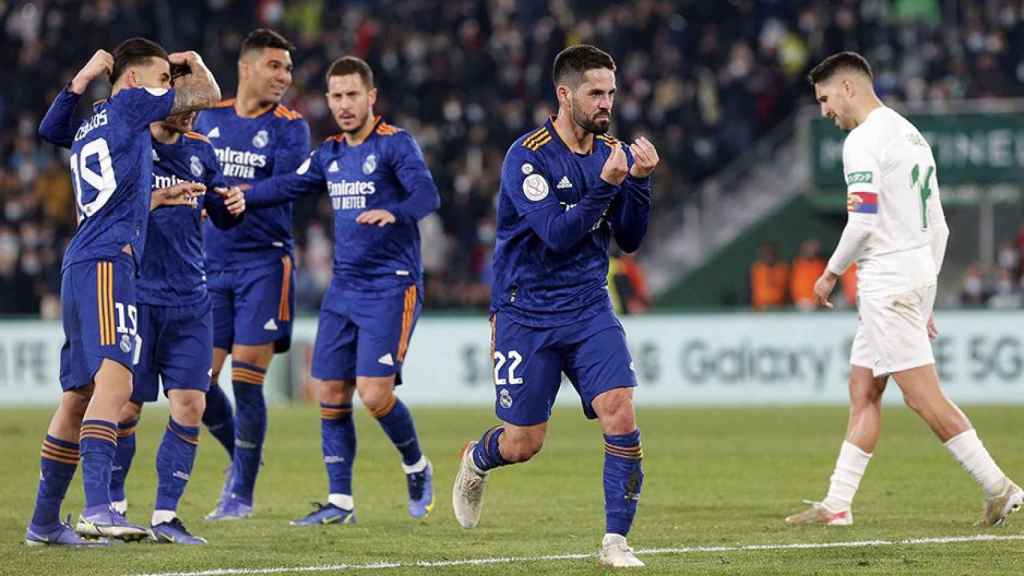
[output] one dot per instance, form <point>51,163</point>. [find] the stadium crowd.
<point>702,79</point>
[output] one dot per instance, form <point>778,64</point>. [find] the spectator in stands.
<point>807,267</point>
<point>627,283</point>
<point>848,281</point>
<point>974,292</point>
<point>769,279</point>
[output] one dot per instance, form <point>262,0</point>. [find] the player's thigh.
<point>100,319</point>
<point>600,363</point>
<point>334,350</point>
<point>896,329</point>
<point>866,389</point>
<point>183,355</point>
<point>527,368</point>
<point>220,287</point>
<point>385,329</point>
<point>264,304</point>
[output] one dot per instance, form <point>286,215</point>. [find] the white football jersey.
<point>892,186</point>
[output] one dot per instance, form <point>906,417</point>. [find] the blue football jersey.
<point>556,217</point>
<point>386,171</point>
<point>173,271</point>
<point>251,150</point>
<point>111,171</point>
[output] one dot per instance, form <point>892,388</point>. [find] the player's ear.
<point>371,97</point>
<point>564,95</point>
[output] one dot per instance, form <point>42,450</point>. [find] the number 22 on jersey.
<point>923,187</point>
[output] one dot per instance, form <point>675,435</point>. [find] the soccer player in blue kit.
<point>174,317</point>
<point>250,265</point>
<point>111,169</point>
<point>566,189</point>
<point>380,187</point>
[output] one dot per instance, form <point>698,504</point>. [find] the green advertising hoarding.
<point>976,148</point>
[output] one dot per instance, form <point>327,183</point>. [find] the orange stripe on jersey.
<point>225,103</point>
<point>336,138</point>
<point>109,300</point>
<point>105,302</point>
<point>408,315</point>
<point>530,140</point>
<point>284,311</point>
<point>196,136</point>
<point>283,112</point>
<point>385,129</point>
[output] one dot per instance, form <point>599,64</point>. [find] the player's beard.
<point>589,124</point>
<point>359,125</point>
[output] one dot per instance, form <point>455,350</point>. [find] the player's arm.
<point>937,227</point>
<point>195,90</point>
<point>225,207</point>
<point>58,125</point>
<point>293,149</point>
<point>181,194</point>
<point>524,181</point>
<point>863,179</point>
<point>411,170</point>
<point>308,179</point>
<point>630,212</point>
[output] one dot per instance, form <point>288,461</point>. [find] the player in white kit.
<point>896,233</point>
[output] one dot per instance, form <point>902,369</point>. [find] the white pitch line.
<point>557,557</point>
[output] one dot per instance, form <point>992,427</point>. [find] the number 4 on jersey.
<point>924,189</point>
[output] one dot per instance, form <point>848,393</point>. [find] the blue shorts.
<point>177,350</point>
<point>529,362</point>
<point>99,318</point>
<point>253,305</point>
<point>364,336</point>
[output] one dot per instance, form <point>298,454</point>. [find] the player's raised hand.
<point>645,158</point>
<point>615,167</point>
<point>234,199</point>
<point>378,216</point>
<point>188,57</point>
<point>183,193</point>
<point>933,332</point>
<point>101,64</point>
<point>823,288</point>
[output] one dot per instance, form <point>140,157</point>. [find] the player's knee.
<point>913,402</point>
<point>334,391</point>
<point>74,405</point>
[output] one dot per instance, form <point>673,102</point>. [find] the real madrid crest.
<point>261,139</point>
<point>370,164</point>
<point>195,166</point>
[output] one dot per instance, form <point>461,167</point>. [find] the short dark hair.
<point>839,61</point>
<point>574,61</point>
<point>351,65</point>
<point>134,52</point>
<point>261,38</point>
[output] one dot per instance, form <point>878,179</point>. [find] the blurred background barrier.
<point>696,359</point>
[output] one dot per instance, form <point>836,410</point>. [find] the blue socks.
<point>174,462</point>
<point>57,467</point>
<point>251,427</point>
<point>486,454</point>
<point>123,457</point>
<point>218,417</point>
<point>397,423</point>
<point>338,443</point>
<point>623,479</point>
<point>98,442</point>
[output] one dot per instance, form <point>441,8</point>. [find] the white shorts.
<point>892,333</point>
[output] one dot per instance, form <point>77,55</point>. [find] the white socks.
<point>343,501</point>
<point>850,467</point>
<point>161,516</point>
<point>419,466</point>
<point>972,455</point>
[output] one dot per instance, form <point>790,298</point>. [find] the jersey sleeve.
<point>293,147</point>
<point>213,202</point>
<point>525,184</point>
<point>630,211</point>
<point>140,107</point>
<point>863,179</point>
<point>411,170</point>
<point>307,179</point>
<point>58,125</point>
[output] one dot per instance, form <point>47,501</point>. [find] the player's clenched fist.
<point>101,64</point>
<point>234,199</point>
<point>645,158</point>
<point>615,168</point>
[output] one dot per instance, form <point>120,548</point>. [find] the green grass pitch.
<point>714,477</point>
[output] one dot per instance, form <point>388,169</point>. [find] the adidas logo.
<point>333,167</point>
<point>564,183</point>
<point>270,325</point>
<point>386,360</point>
<point>215,133</point>
<point>181,475</point>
